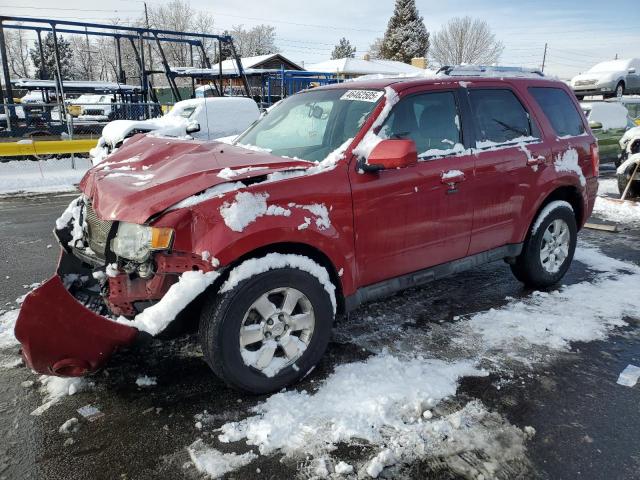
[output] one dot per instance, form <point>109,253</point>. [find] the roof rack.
<point>488,71</point>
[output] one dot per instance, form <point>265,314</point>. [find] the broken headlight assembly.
<point>136,242</point>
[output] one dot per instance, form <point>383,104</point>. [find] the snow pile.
<point>568,162</point>
<point>55,389</point>
<point>146,381</point>
<point>156,318</point>
<point>73,214</point>
<point>215,463</point>
<point>373,400</point>
<point>255,266</point>
<point>248,207</point>
<point>55,175</point>
<point>245,209</point>
<point>622,212</point>
<point>7,324</point>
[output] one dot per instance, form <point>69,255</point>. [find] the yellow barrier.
<point>46,147</point>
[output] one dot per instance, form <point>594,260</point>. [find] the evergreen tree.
<point>65,54</point>
<point>343,49</point>
<point>406,36</point>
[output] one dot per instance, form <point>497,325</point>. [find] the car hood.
<point>150,174</point>
<point>599,76</point>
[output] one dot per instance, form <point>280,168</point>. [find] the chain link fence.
<point>84,119</point>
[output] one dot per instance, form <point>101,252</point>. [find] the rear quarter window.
<point>560,110</point>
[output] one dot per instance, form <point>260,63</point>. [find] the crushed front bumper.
<point>60,336</point>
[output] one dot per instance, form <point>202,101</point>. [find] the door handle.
<point>452,177</point>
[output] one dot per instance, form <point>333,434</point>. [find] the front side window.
<point>499,117</point>
<point>431,120</point>
<point>312,124</point>
<point>560,110</point>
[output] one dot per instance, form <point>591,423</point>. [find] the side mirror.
<point>595,125</point>
<point>632,70</point>
<point>389,154</point>
<point>193,128</point>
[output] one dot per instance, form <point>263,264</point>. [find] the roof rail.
<point>488,71</point>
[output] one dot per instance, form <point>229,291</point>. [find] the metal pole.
<point>220,68</point>
<point>144,83</point>
<point>167,69</point>
<point>120,76</point>
<point>43,66</point>
<point>7,78</point>
<point>193,80</point>
<point>86,36</point>
<point>544,57</point>
<point>243,77</point>
<point>62,106</point>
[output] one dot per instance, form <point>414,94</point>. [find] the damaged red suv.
<point>339,195</point>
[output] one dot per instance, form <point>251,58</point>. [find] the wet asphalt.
<point>587,426</point>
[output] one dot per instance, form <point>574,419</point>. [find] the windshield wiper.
<point>506,126</point>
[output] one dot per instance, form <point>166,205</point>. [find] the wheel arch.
<point>569,194</point>
<point>295,248</point>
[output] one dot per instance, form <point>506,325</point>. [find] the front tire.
<point>268,332</point>
<point>548,251</point>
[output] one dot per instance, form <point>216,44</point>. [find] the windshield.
<point>312,124</point>
<point>613,66</point>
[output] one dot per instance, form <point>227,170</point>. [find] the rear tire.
<point>548,252</point>
<point>230,320</point>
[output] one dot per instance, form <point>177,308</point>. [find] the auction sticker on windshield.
<point>362,95</point>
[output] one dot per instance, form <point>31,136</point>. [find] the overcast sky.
<point>579,34</point>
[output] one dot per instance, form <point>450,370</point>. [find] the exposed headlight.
<point>135,242</point>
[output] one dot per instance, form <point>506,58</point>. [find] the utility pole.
<point>146,19</point>
<point>544,57</point>
<point>90,65</point>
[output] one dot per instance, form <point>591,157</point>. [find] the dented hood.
<point>148,174</point>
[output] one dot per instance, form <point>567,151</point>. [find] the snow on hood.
<point>147,175</point>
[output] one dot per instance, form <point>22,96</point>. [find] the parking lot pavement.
<point>505,397</point>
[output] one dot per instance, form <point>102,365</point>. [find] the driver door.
<point>416,217</point>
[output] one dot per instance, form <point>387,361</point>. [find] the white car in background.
<point>208,118</point>
<point>609,79</point>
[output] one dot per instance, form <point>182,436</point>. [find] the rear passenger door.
<point>509,153</point>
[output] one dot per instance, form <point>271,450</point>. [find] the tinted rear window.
<point>559,109</point>
<point>499,115</point>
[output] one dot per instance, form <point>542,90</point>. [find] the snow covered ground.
<point>55,175</point>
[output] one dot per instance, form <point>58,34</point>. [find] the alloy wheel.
<point>276,330</point>
<point>555,246</point>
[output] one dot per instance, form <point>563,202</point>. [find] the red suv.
<point>338,196</point>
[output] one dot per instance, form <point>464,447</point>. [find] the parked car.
<point>632,104</point>
<point>340,195</point>
<point>627,163</point>
<point>608,121</point>
<point>609,79</point>
<point>204,118</point>
<point>89,103</point>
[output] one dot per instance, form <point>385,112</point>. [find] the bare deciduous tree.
<point>465,40</point>
<point>18,53</point>
<point>258,40</point>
